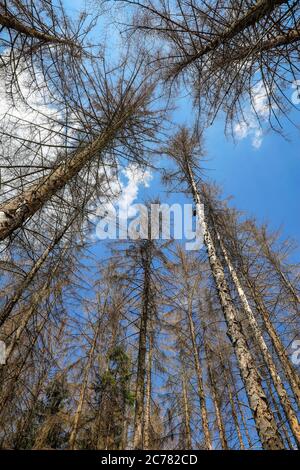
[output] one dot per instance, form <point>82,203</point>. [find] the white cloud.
<point>136,177</point>
<point>259,110</point>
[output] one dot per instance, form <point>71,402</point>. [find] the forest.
<point>139,343</point>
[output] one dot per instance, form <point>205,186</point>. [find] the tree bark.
<point>232,403</point>
<point>74,429</point>
<point>215,398</point>
<point>141,369</point>
<point>147,414</point>
<point>187,417</point>
<point>201,394</point>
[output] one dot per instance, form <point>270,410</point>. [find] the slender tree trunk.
<point>238,405</point>
<point>283,396</point>
<point>10,304</point>
<point>141,368</point>
<point>9,390</point>
<point>280,418</point>
<point>215,398</point>
<point>235,419</point>
<point>125,431</point>
<point>263,416</point>
<point>147,414</point>
<point>35,301</point>
<point>29,312</point>
<point>78,412</point>
<point>201,394</point>
<point>277,344</point>
<point>24,428</point>
<point>232,403</point>
<point>187,417</point>
<point>262,240</point>
<point>289,286</point>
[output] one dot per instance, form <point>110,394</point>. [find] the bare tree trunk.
<point>9,390</point>
<point>277,344</point>
<point>280,418</point>
<point>232,403</point>
<point>74,429</point>
<point>235,419</point>
<point>238,405</point>
<point>215,398</point>
<point>147,414</point>
<point>29,312</point>
<point>187,418</point>
<point>32,273</point>
<point>125,431</point>
<point>263,416</point>
<point>262,239</point>
<point>283,396</point>
<point>201,394</point>
<point>141,369</point>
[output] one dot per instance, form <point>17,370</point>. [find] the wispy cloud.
<point>136,177</point>
<point>255,115</point>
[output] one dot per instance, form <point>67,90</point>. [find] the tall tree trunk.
<point>141,368</point>
<point>201,394</point>
<point>78,412</point>
<point>187,417</point>
<point>10,304</point>
<point>280,418</point>
<point>235,418</point>
<point>263,416</point>
<point>283,396</point>
<point>29,312</point>
<point>9,390</point>
<point>277,344</point>
<point>215,398</point>
<point>147,414</point>
<point>232,383</point>
<point>232,402</point>
<point>262,239</point>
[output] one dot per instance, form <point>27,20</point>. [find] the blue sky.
<point>264,181</point>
